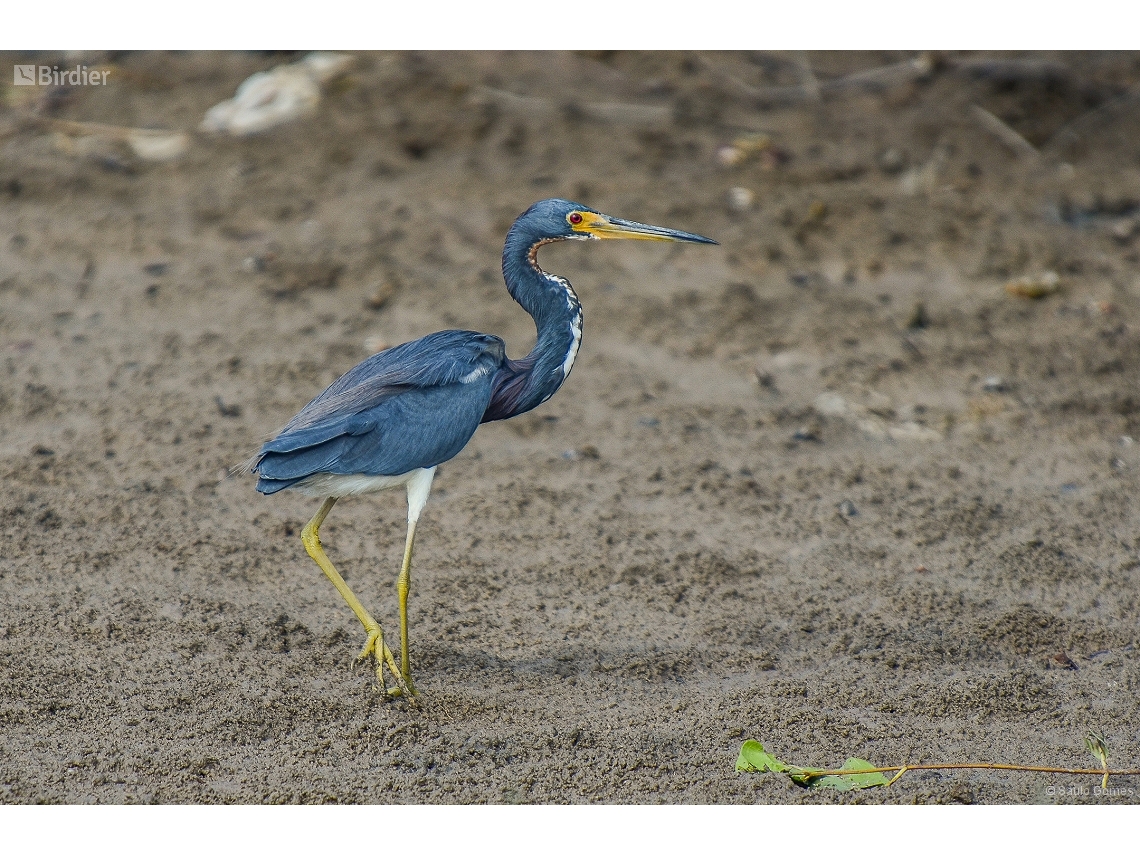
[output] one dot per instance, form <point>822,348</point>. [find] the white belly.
<point>322,485</point>
<point>418,482</point>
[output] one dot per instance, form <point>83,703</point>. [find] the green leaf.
<point>843,783</point>
<point>753,758</point>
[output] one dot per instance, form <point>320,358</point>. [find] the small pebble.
<point>375,344</point>
<point>1102,307</point>
<point>157,145</point>
<point>919,319</point>
<point>1125,228</point>
<point>766,380</point>
<point>729,155</point>
<point>229,411</point>
<point>892,161</point>
<point>994,384</point>
<point>808,433</point>
<point>742,148</point>
<point>740,199</point>
<point>1061,660</point>
<point>380,295</point>
<point>830,404</point>
<point>1034,287</point>
<point>847,508</point>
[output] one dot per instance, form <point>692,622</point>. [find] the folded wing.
<point>410,407</point>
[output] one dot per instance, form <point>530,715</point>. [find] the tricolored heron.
<point>391,420</point>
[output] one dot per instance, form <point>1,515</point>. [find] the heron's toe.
<point>375,648</point>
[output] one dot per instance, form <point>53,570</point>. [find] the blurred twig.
<point>1012,70</point>
<point>1073,131</point>
<point>72,128</point>
<point>875,78</point>
<point>612,112</point>
<point>513,103</point>
<point>1014,141</point>
<point>622,113</point>
<point>897,74</point>
<point>810,87</point>
<point>146,143</point>
<point>807,76</point>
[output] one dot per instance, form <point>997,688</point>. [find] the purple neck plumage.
<point>521,385</point>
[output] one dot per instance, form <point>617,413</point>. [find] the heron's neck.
<point>557,314</point>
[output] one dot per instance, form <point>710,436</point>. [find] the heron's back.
<point>411,407</point>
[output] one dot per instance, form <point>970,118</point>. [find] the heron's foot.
<point>375,649</point>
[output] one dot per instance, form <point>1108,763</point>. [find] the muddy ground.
<point>830,485</point>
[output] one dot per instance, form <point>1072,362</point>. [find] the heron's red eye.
<point>575,218</point>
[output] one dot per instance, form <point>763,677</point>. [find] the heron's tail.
<point>249,466</point>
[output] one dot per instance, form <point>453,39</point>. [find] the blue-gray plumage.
<point>397,415</point>
<point>411,407</point>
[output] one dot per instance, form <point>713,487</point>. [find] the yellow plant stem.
<point>1004,767</point>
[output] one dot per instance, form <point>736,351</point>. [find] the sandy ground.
<point>828,485</point>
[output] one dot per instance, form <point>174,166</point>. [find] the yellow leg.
<point>403,583</point>
<point>374,646</point>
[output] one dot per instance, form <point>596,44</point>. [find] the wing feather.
<point>413,406</point>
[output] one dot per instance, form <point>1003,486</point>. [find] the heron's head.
<point>558,219</point>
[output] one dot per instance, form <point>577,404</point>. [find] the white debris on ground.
<point>158,146</point>
<point>877,418</point>
<point>271,98</point>
<point>95,140</point>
